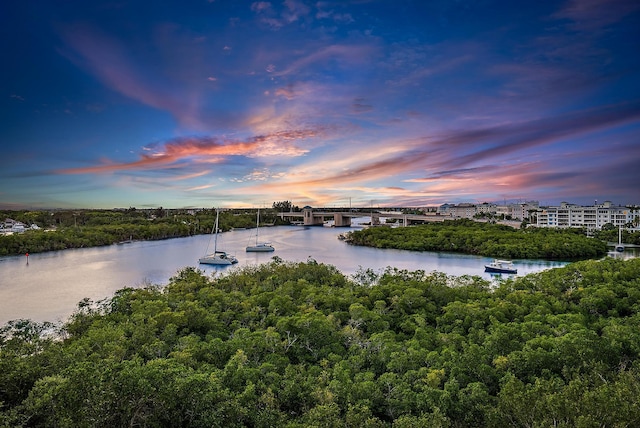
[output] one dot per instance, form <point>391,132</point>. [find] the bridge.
<point>343,218</point>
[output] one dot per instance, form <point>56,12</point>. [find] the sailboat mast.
<point>215,239</point>
<point>257,225</point>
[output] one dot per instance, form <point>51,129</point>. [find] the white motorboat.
<point>500,266</point>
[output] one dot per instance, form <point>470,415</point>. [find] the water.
<point>50,286</point>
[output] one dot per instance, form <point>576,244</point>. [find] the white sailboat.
<point>217,257</point>
<point>259,247</point>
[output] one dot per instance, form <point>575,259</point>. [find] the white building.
<point>591,217</point>
<point>486,208</point>
<point>463,210</point>
<point>13,226</point>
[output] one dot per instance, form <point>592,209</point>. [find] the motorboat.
<point>500,266</point>
<point>259,247</point>
<point>217,257</point>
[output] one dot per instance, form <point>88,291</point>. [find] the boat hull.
<point>260,249</point>
<point>492,269</point>
<point>500,266</point>
<point>206,261</point>
<point>218,259</point>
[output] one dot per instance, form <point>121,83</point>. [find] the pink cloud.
<point>183,151</point>
<point>457,162</point>
<point>111,62</point>
<point>287,92</point>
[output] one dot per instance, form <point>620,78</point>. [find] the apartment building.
<point>464,210</point>
<point>591,217</point>
<point>519,211</point>
<point>565,215</point>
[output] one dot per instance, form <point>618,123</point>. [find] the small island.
<point>484,239</point>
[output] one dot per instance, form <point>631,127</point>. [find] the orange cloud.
<point>182,151</point>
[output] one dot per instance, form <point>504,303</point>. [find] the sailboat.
<point>620,246</point>
<point>217,257</point>
<point>259,247</point>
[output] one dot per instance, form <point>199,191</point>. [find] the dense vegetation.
<point>609,233</point>
<point>301,345</point>
<point>90,228</point>
<point>486,239</point>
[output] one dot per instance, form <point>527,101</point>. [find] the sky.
<point>231,103</point>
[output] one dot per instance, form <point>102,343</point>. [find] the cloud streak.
<point>208,150</point>
<point>471,158</point>
<point>112,63</point>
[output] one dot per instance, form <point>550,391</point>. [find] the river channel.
<point>50,285</point>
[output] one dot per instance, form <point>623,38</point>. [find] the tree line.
<point>302,345</point>
<point>90,228</point>
<point>485,239</point>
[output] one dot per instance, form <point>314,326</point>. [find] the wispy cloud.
<point>589,15</point>
<point>349,54</point>
<point>276,17</point>
<point>466,160</point>
<point>208,150</point>
<point>360,105</point>
<point>109,60</point>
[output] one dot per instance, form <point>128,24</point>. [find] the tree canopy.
<point>302,345</point>
<point>485,239</point>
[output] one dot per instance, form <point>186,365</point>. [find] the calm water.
<point>49,287</point>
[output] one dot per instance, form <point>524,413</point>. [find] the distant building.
<point>565,215</point>
<point>486,208</point>
<point>444,209</point>
<point>10,225</point>
<point>591,217</point>
<point>519,211</point>
<point>463,210</point>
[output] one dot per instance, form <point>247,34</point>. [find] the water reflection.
<point>51,285</point>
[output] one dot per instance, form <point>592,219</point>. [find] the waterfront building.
<point>520,211</point>
<point>565,215</point>
<point>591,217</point>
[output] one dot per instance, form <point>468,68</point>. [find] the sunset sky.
<point>202,103</point>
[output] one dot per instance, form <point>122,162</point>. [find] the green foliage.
<point>301,345</point>
<point>486,239</point>
<point>285,206</point>
<point>609,233</point>
<point>91,228</point>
